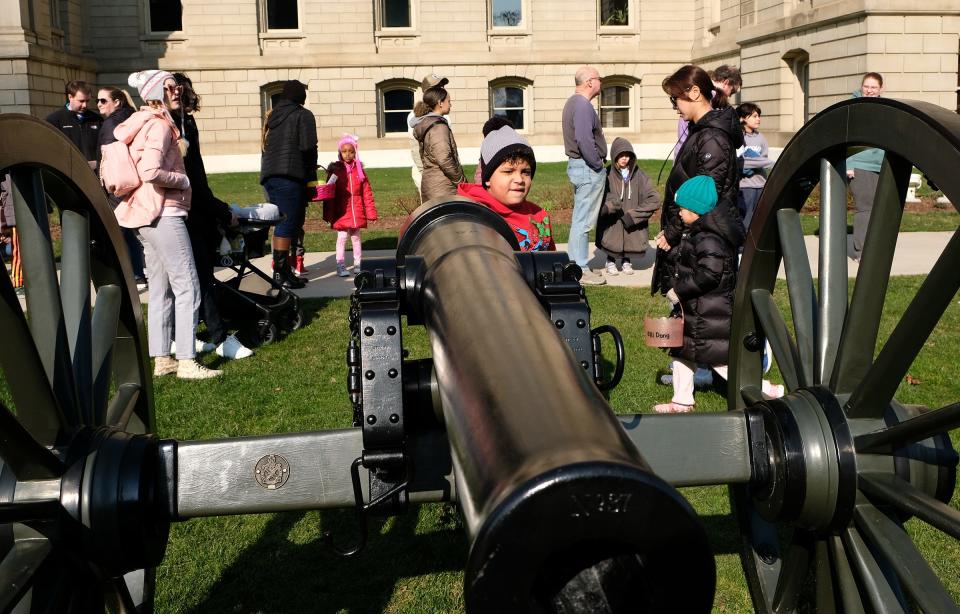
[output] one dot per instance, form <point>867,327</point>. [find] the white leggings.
<point>683,371</point>
<point>354,234</point>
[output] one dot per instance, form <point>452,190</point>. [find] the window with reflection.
<point>507,101</point>
<point>615,106</point>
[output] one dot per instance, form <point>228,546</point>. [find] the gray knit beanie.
<point>500,145</point>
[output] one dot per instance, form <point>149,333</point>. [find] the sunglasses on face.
<point>103,100</point>
<point>171,88</point>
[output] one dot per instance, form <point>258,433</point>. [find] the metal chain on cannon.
<point>374,383</point>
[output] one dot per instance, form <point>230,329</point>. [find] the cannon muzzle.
<point>563,512</point>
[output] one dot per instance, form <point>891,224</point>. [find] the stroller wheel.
<point>267,332</point>
<point>294,320</point>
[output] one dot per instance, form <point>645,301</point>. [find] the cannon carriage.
<point>822,480</point>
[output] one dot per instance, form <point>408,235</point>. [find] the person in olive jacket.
<point>288,163</point>
<point>442,172</point>
<point>711,149</point>
<point>630,199</point>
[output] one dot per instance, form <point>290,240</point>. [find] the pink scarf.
<point>351,140</point>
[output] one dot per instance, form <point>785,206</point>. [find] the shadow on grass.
<point>276,575</point>
<point>723,532</point>
<point>380,243</point>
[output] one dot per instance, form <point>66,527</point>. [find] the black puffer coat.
<point>709,150</point>
<point>706,274</point>
<point>206,210</point>
<point>291,148</point>
<point>627,206</point>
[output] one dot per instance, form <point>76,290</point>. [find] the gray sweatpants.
<point>174,286</point>
<point>863,186</point>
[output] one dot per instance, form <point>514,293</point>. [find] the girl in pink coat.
<point>157,209</point>
<point>353,205</point>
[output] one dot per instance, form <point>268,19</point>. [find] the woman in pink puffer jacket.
<point>157,209</point>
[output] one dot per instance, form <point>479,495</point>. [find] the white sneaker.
<point>232,348</point>
<point>164,365</point>
<point>191,369</point>
<point>199,346</point>
<point>612,269</point>
<point>342,270</point>
<point>627,268</point>
<point>590,278</point>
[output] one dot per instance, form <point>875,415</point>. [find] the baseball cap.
<point>432,80</point>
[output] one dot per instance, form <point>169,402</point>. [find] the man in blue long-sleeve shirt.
<point>587,150</point>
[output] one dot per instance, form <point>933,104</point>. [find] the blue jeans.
<point>587,195</point>
<point>291,198</point>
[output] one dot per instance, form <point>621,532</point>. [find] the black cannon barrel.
<point>563,512</point>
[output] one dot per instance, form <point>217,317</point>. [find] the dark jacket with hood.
<point>710,149</point>
<point>706,274</point>
<point>206,210</point>
<point>442,171</point>
<point>82,130</point>
<point>627,206</point>
<point>291,147</point>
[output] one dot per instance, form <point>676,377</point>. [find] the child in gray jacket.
<point>630,199</point>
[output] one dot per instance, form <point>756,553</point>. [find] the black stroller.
<point>251,301</point>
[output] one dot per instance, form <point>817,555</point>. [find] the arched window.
<point>616,102</point>
<point>798,61</point>
<point>395,100</point>
<point>269,95</point>
<point>509,98</point>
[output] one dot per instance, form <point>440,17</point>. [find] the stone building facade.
<point>362,60</point>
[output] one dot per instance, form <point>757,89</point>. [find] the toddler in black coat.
<point>703,285</point>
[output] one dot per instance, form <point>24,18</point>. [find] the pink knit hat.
<point>350,139</point>
<point>149,83</point>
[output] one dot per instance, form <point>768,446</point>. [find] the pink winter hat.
<point>149,83</point>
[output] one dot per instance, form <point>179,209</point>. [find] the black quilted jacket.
<point>706,274</point>
<point>291,148</point>
<point>709,150</point>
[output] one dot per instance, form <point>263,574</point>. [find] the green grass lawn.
<point>396,196</point>
<point>413,563</point>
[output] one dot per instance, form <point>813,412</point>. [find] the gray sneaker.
<point>592,279</point>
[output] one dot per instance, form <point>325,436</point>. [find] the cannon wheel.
<point>68,372</point>
<point>822,524</point>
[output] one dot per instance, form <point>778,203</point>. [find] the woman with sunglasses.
<point>714,135</point>
<point>711,149</point>
<point>158,210</point>
<point>116,106</point>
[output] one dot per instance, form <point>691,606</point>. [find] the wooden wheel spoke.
<point>18,570</point>
<point>106,315</point>
<point>826,596</point>
<point>122,406</point>
<point>873,394</point>
<point>832,297</point>
<point>904,496</point>
<point>75,298</point>
<point>910,431</point>
<point>793,573</point>
<point>117,596</point>
<point>876,587</point>
<point>775,329</point>
<point>800,287</point>
<point>43,294</point>
<point>20,451</point>
<point>38,410</point>
<point>855,354</point>
<point>751,395</point>
<point>845,580</point>
<point>902,555</point>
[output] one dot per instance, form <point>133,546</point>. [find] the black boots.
<point>282,273</point>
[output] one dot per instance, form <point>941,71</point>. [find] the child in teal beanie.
<point>705,278</point>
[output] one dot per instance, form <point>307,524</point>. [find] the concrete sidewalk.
<point>915,254</point>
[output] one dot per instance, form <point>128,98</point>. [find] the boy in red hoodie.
<point>508,169</point>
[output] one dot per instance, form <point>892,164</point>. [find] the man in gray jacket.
<point>587,151</point>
